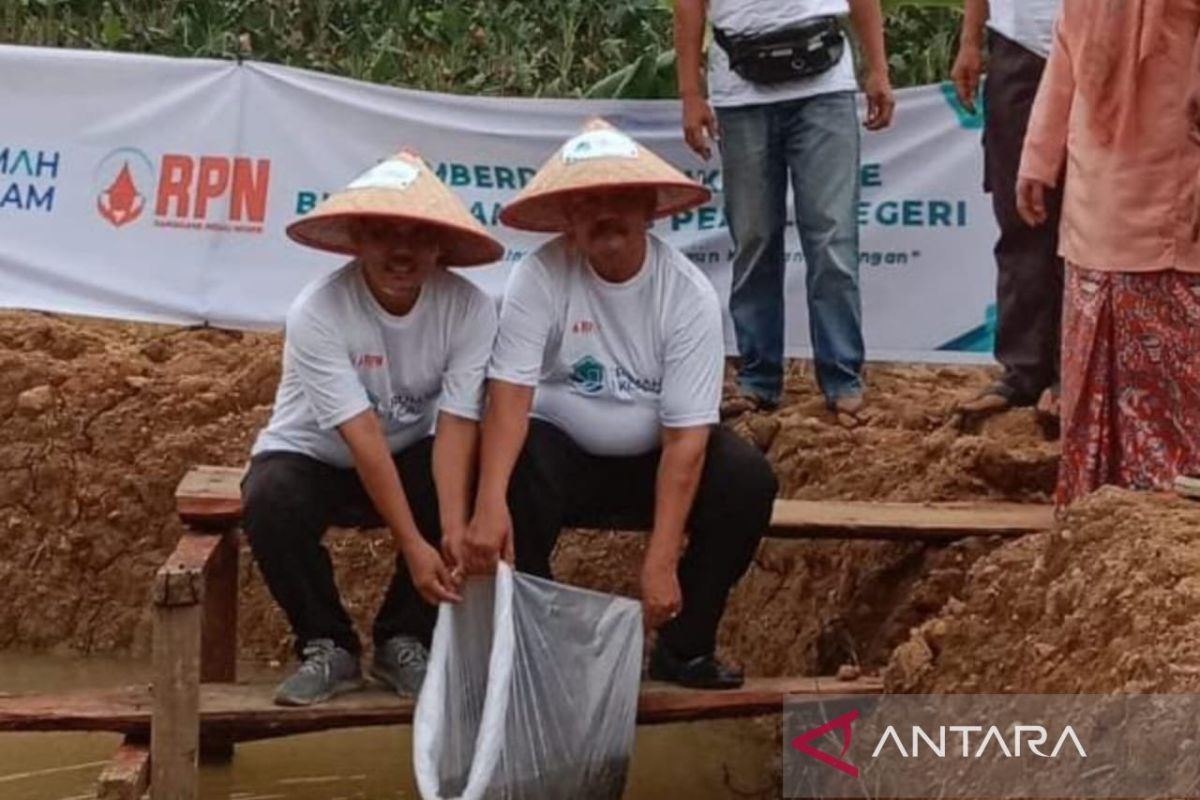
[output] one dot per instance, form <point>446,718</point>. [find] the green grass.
<point>554,48</point>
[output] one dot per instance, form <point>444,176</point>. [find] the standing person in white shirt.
<point>1029,271</point>
<point>604,394</point>
<point>377,357</point>
<point>781,78</point>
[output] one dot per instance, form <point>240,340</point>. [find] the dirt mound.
<point>99,420</point>
<point>911,447</point>
<point>1108,603</point>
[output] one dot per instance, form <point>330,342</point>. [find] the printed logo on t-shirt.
<point>628,383</point>
<point>368,361</point>
<point>401,409</point>
<point>587,376</point>
<point>583,327</point>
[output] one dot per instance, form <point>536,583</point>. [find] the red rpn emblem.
<point>584,327</point>
<point>369,361</point>
<point>842,723</point>
<point>121,203</point>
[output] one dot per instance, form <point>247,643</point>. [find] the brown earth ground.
<point>99,420</point>
<point>1110,602</point>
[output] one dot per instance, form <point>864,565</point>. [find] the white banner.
<point>158,189</point>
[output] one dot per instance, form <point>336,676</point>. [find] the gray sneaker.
<point>400,662</point>
<point>327,670</point>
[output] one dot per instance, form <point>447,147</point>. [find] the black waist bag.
<point>804,51</point>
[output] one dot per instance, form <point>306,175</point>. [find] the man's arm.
<point>867,18</point>
<point>505,426</point>
<point>699,122</point>
<point>679,471</point>
<point>373,462</point>
<point>455,452</point>
<point>968,66</point>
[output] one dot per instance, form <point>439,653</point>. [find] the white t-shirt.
<point>727,89</point>
<point>343,354</point>
<point>613,363</point>
<point>1029,23</point>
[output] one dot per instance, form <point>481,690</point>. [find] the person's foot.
<point>1048,413</point>
<point>990,402</point>
<point>326,670</point>
<point>400,663</point>
<point>702,672</point>
<point>848,410</point>
<point>744,403</point>
<point>1188,486</point>
<point>994,400</point>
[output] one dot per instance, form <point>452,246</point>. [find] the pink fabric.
<point>1112,109</point>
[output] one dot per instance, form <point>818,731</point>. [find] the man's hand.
<point>1031,202</point>
<point>662,599</point>
<point>454,542</point>
<point>968,68</point>
<point>699,125</point>
<point>429,574</point>
<point>881,101</point>
<point>489,538</point>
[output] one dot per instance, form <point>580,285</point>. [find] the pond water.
<point>693,760</point>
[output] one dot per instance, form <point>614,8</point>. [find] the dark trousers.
<point>290,500</point>
<point>557,484</point>
<point>1029,286</point>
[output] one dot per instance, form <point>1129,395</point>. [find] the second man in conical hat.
<point>377,355</point>
<point>603,400</point>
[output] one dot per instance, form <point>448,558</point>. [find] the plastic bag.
<point>531,693</point>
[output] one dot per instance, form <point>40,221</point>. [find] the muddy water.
<point>698,761</point>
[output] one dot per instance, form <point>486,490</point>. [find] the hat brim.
<point>544,212</point>
<point>461,246</point>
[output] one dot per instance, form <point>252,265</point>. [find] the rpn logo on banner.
<point>219,194</point>
<point>123,177</point>
<point>27,179</point>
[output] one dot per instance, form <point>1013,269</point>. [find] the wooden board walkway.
<point>210,497</point>
<point>245,712</point>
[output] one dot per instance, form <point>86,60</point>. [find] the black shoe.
<point>701,672</point>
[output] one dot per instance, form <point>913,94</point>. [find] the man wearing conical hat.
<point>603,400</point>
<point>375,421</point>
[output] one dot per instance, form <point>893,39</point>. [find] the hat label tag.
<point>599,144</point>
<point>393,174</point>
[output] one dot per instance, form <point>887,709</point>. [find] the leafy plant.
<point>563,48</point>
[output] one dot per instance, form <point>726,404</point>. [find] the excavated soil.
<point>99,420</point>
<point>1108,603</point>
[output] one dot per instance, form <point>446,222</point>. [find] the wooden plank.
<point>246,711</point>
<point>127,775</point>
<point>218,637</point>
<point>175,734</point>
<point>210,496</point>
<point>799,519</point>
<point>180,581</point>
<point>213,493</point>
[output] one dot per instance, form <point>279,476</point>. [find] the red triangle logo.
<point>842,723</point>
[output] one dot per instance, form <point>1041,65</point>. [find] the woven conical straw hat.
<point>600,157</point>
<point>404,189</point>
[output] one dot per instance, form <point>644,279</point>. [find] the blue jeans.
<point>816,140</point>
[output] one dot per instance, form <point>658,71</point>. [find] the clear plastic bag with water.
<point>531,693</point>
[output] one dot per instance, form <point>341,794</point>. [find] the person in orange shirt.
<point>1112,109</point>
